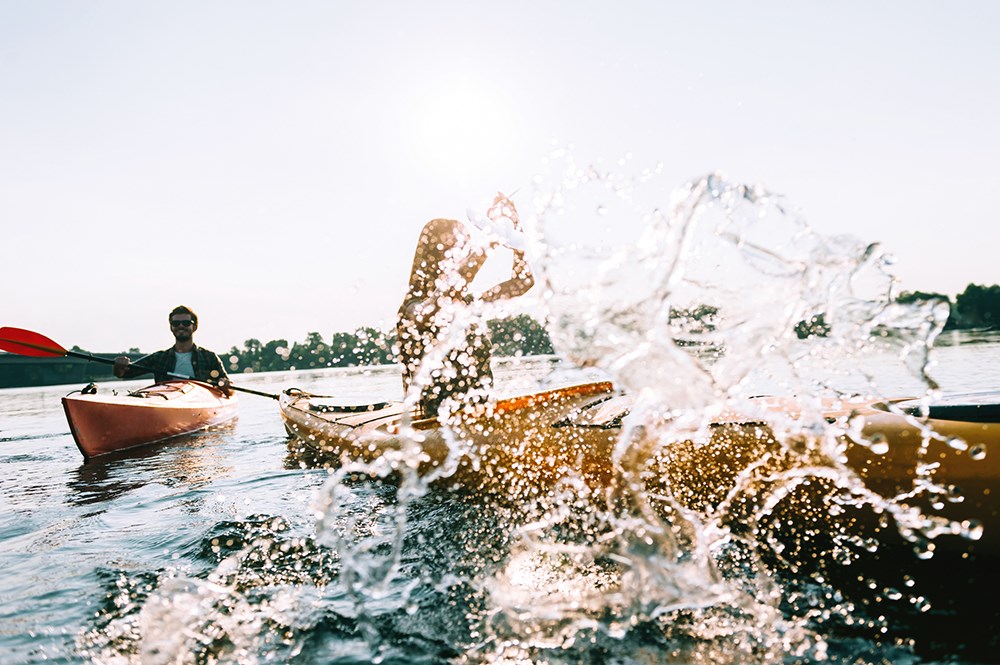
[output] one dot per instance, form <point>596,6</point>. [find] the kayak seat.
<point>144,394</point>
<point>973,413</point>
<point>319,407</point>
<point>604,413</point>
<point>983,407</point>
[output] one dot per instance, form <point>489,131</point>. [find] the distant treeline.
<point>976,308</point>
<point>514,336</point>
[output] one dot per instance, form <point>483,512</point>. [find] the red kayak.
<point>105,423</point>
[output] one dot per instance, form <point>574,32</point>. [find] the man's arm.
<point>216,371</point>
<point>124,369</point>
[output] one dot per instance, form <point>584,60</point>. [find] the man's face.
<point>182,326</point>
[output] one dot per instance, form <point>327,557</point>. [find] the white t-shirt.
<point>183,364</point>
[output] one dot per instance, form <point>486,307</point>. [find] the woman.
<point>430,326</point>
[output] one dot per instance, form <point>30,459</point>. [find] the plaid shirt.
<point>207,366</point>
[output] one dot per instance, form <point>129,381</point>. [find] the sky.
<point>270,164</point>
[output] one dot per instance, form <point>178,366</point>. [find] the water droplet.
<point>957,443</point>
<point>878,444</point>
<point>978,451</point>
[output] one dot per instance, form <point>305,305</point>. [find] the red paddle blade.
<point>28,343</point>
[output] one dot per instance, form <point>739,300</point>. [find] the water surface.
<point>216,546</point>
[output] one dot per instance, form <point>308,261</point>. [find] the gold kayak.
<point>944,461</point>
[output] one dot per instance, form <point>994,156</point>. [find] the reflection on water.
<point>188,460</point>
<point>951,338</point>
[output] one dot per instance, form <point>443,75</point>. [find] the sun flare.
<point>463,127</point>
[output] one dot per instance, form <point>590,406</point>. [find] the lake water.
<point>220,547</point>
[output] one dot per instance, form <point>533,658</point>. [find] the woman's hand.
<point>504,208</point>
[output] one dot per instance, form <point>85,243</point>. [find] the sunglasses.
<point>182,323</point>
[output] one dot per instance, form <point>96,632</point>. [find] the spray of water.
<point>728,493</point>
<point>693,300</point>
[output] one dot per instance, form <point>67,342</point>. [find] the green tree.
<point>815,326</point>
<point>247,359</point>
<point>910,297</point>
<point>310,354</point>
<point>275,356</point>
<point>232,360</point>
<point>978,306</point>
<point>343,350</point>
<point>696,320</point>
<point>373,347</point>
<point>519,336</point>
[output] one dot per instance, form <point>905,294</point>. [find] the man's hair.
<point>181,309</point>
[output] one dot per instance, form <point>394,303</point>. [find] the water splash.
<point>722,518</point>
<point>691,300</point>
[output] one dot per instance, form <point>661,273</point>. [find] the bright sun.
<point>462,127</point>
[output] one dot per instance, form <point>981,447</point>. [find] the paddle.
<point>29,343</point>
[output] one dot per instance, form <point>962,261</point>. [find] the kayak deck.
<point>522,446</point>
<point>510,438</point>
<point>102,423</point>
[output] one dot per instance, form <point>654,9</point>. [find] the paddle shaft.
<point>109,361</point>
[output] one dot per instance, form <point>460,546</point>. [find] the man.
<point>448,257</point>
<point>184,358</point>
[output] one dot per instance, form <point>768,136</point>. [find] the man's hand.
<point>121,366</point>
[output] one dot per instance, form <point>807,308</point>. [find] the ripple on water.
<point>25,458</point>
